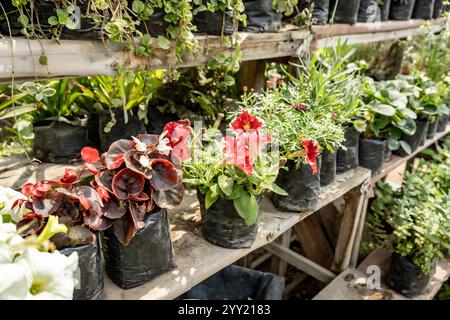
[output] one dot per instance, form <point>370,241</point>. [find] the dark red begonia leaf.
<point>138,214</point>
<point>132,162</point>
<point>127,183</point>
<point>169,198</point>
<point>96,222</point>
<point>114,157</point>
<point>125,229</point>
<point>149,139</point>
<point>30,225</point>
<point>164,175</point>
<point>113,210</point>
<point>47,205</point>
<point>104,179</point>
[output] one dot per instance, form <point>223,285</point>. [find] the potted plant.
<point>437,10</point>
<point>262,16</point>
<point>423,9</point>
<point>142,179</point>
<point>344,11</point>
<point>368,11</point>
<point>385,6</point>
<point>230,174</point>
<point>401,9</point>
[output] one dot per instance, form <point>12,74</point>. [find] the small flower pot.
<point>368,11</point>
<point>59,141</point>
<point>328,167</point>
<point>346,11</point>
<point>437,10</point>
<point>222,225</point>
<point>423,9</point>
<point>347,157</point>
<point>401,9</point>
<point>432,129</point>
<point>261,17</point>
<point>214,23</point>
<point>90,274</point>
<point>149,254</point>
<point>371,154</point>
<point>406,278</point>
<point>120,130</point>
<point>384,10</point>
<point>415,140</point>
<point>321,11</point>
<point>443,123</point>
<point>302,185</point>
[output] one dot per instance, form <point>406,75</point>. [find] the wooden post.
<point>252,75</point>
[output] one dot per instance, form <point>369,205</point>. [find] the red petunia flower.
<point>246,122</point>
<point>237,153</point>
<point>312,152</point>
<point>90,155</point>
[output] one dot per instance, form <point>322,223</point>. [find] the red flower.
<point>103,193</point>
<point>90,155</point>
<point>300,107</point>
<point>334,116</point>
<point>237,154</point>
<point>312,152</point>
<point>70,177</point>
<point>39,189</point>
<point>177,132</point>
<point>246,122</point>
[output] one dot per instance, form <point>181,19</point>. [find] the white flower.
<point>144,161</point>
<point>9,241</point>
<point>162,145</point>
<point>360,125</point>
<point>140,146</point>
<point>7,198</point>
<point>14,282</point>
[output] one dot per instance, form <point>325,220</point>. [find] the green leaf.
<point>226,184</point>
<point>383,109</point>
<point>43,60</point>
<point>405,146</point>
<point>409,113</point>
<point>393,144</point>
<point>237,192</point>
<point>23,19</point>
<point>229,81</point>
<point>70,24</point>
<point>210,198</point>
<point>48,92</point>
<point>408,127</point>
<point>247,207</point>
<point>275,188</point>
<point>163,42</point>
<point>138,6</point>
<point>146,40</point>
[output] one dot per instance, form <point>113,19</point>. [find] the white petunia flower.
<point>8,239</point>
<point>163,147</point>
<point>140,146</point>
<point>7,198</point>
<point>14,281</point>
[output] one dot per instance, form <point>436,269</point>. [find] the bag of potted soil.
<point>59,141</point>
<point>405,277</point>
<point>120,130</point>
<point>432,129</point>
<point>368,11</point>
<point>214,23</point>
<point>302,185</point>
<point>347,157</point>
<point>387,154</point>
<point>261,17</point>
<point>321,11</point>
<point>443,122</point>
<point>385,6</point>
<point>346,11</point>
<point>222,225</point>
<point>90,276</point>
<point>371,154</point>
<point>149,254</point>
<point>157,120</point>
<point>423,9</point>
<point>13,19</point>
<point>401,9</point>
<point>416,139</point>
<point>437,10</point>
<point>238,283</point>
<point>328,167</point>
<point>155,25</point>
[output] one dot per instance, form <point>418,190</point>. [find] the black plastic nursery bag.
<point>155,25</point>
<point>302,185</point>
<point>406,278</point>
<point>90,273</point>
<point>443,122</point>
<point>423,9</point>
<point>416,139</point>
<point>14,28</point>
<point>157,120</point>
<point>321,11</point>
<point>368,11</point>
<point>346,11</point>
<point>238,283</point>
<point>59,141</point>
<point>222,225</point>
<point>149,254</point>
<point>328,167</point>
<point>347,157</point>
<point>214,23</point>
<point>432,129</point>
<point>371,154</point>
<point>401,9</point>
<point>385,7</point>
<point>261,16</point>
<point>437,10</point>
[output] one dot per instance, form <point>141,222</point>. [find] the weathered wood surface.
<point>197,259</point>
<point>352,283</point>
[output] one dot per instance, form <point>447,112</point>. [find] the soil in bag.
<point>302,185</point>
<point>238,283</point>
<point>423,9</point>
<point>346,11</point>
<point>401,9</point>
<point>214,23</point>
<point>222,225</point>
<point>443,122</point>
<point>157,120</point>
<point>13,19</point>
<point>261,17</point>
<point>149,254</point>
<point>368,11</point>
<point>385,7</point>
<point>90,275</point>
<point>371,154</point>
<point>387,154</point>
<point>406,278</point>
<point>321,11</point>
<point>120,130</point>
<point>432,129</point>
<point>59,141</point>
<point>347,157</point>
<point>437,10</point>
<point>415,140</point>
<point>155,25</point>
<point>328,167</point>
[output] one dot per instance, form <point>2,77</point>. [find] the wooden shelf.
<point>397,161</point>
<point>352,284</point>
<point>198,259</point>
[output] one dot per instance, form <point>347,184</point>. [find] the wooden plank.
<point>197,259</point>
<point>359,233</point>
<point>255,263</point>
<point>330,219</point>
<point>301,263</point>
<point>285,242</point>
<point>313,241</point>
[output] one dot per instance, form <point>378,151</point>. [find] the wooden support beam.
<point>301,263</point>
